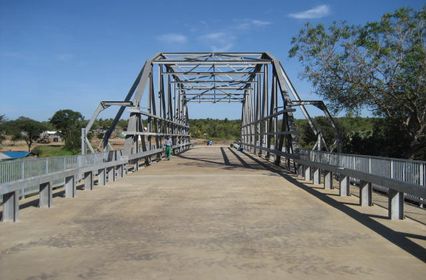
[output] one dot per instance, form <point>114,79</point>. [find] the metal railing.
<point>408,176</point>
<point>40,176</point>
<point>403,170</point>
<point>410,171</point>
<point>14,170</point>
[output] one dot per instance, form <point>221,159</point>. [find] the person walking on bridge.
<point>168,143</point>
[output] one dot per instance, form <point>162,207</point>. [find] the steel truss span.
<point>158,102</point>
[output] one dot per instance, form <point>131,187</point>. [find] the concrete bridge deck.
<point>211,213</point>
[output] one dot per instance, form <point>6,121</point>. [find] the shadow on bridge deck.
<point>211,213</point>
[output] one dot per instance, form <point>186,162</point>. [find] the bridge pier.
<point>10,207</point>
<point>102,177</point>
<point>70,187</point>
<point>344,185</point>
<point>365,194</point>
<point>45,200</point>
<point>88,180</point>
<point>328,180</point>
<point>317,176</point>
<point>395,205</point>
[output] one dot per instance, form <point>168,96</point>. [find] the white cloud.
<point>257,22</point>
<point>252,23</point>
<point>173,38</point>
<point>316,12</point>
<point>218,41</point>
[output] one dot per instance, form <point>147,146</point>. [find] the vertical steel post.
<point>10,207</point>
<point>70,187</point>
<point>365,194</point>
<point>395,205</point>
<point>45,200</point>
<point>317,176</point>
<point>308,173</point>
<point>328,180</point>
<point>344,189</point>
<point>102,177</point>
<point>88,180</point>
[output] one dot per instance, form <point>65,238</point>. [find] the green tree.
<point>379,66</point>
<point>213,128</point>
<point>69,124</point>
<point>27,129</point>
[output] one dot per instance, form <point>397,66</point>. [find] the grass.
<point>53,151</point>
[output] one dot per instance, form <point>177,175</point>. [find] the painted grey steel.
<point>344,185</point>
<point>10,206</point>
<point>365,194</point>
<point>82,167</point>
<point>409,171</point>
<point>157,104</point>
<point>328,180</point>
<point>158,100</point>
<point>88,180</point>
<point>70,187</point>
<point>389,173</point>
<point>46,195</point>
<point>396,205</point>
<point>308,173</point>
<point>317,176</point>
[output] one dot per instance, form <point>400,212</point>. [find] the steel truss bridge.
<point>158,100</point>
<point>157,104</point>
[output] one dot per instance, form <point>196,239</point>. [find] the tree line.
<point>67,123</point>
<point>369,136</point>
<point>215,129</point>
<point>374,136</point>
<point>378,66</point>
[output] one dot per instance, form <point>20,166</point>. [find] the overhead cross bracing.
<point>213,77</point>
<point>158,102</point>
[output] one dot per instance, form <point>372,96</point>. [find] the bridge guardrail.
<point>398,177</point>
<point>407,171</point>
<point>28,176</point>
<point>411,171</point>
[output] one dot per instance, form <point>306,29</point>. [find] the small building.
<point>50,136</point>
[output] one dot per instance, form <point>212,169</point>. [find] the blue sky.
<point>72,54</point>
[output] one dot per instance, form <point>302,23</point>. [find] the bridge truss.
<point>158,102</point>
<point>158,107</point>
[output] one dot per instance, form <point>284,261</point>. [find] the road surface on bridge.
<point>210,213</point>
